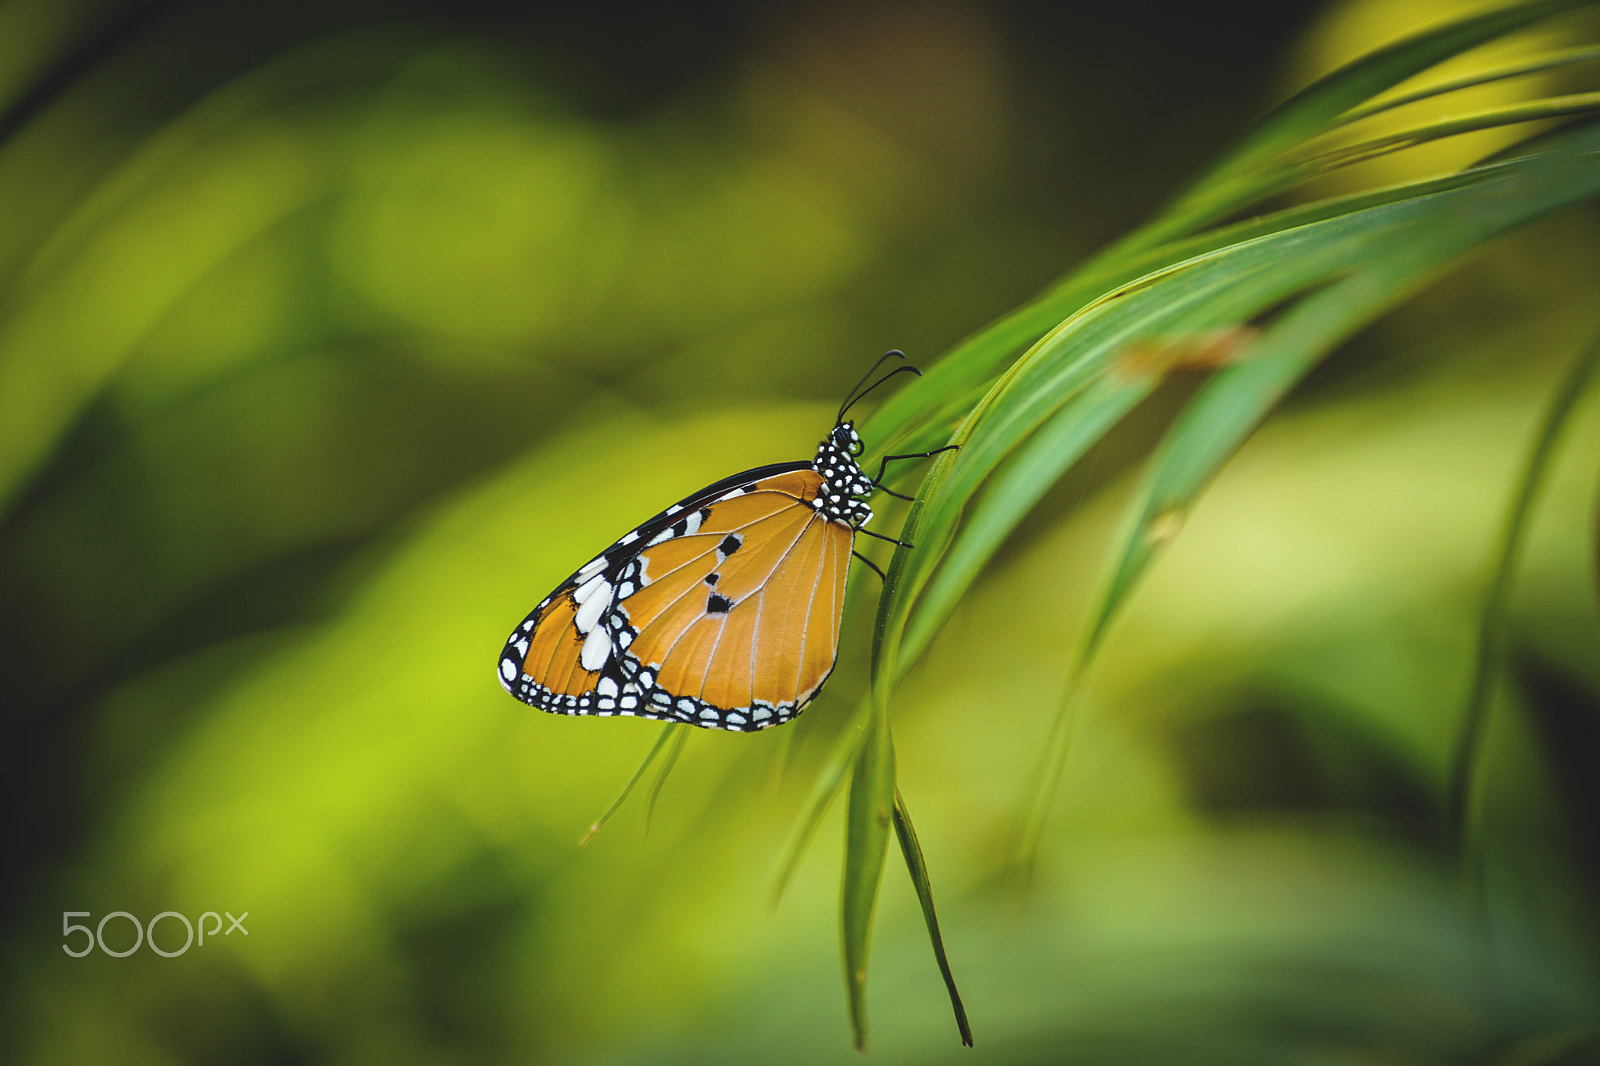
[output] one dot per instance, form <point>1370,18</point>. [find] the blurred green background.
<point>333,335</point>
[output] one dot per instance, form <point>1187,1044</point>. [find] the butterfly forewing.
<point>553,652</point>
<point>722,611</point>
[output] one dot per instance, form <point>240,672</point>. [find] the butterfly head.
<point>845,438</point>
<point>836,458</point>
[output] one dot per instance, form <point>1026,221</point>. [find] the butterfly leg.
<point>909,455</point>
<point>880,536</point>
<point>870,564</point>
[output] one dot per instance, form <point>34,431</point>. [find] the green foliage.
<point>1313,277</point>
<point>312,383</point>
<point>1492,625</point>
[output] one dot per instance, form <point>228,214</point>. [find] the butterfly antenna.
<point>852,396</point>
<point>908,368</point>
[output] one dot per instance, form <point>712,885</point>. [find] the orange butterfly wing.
<point>726,618</point>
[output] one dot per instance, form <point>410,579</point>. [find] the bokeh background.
<point>333,335</point>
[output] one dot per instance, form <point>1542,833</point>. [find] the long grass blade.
<point>911,848</point>
<point>670,759</point>
<point>1492,622</point>
<point>1024,479</point>
<point>827,786</point>
<point>662,738</point>
<point>1552,61</point>
<point>866,845</point>
<point>1233,183</point>
<point>1549,108</point>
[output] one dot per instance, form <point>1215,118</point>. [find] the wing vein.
<point>711,658</point>
<point>755,642</point>
<point>542,677</point>
<point>716,533</point>
<point>805,624</point>
<point>671,648</point>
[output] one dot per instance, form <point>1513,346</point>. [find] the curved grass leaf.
<point>1027,476</point>
<point>865,847</point>
<point>1491,624</point>
<point>827,786</point>
<point>667,733</point>
<point>1533,111</point>
<point>668,761</point>
<point>1552,61</point>
<point>918,867</point>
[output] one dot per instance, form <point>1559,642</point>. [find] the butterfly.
<point>723,610</point>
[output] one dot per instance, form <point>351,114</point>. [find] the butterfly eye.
<point>852,439</point>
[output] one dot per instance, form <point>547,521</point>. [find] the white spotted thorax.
<point>842,478</point>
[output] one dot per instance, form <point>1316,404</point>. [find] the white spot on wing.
<point>591,568</point>
<point>585,590</point>
<point>508,669</point>
<point>596,649</point>
<point>594,605</point>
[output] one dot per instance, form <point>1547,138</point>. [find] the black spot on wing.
<point>729,545</point>
<point>716,604</point>
<point>712,579</point>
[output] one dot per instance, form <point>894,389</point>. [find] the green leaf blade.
<point>917,866</point>
<point>669,733</point>
<point>866,846</point>
<point>1492,622</point>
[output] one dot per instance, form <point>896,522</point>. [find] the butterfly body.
<point>722,611</point>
